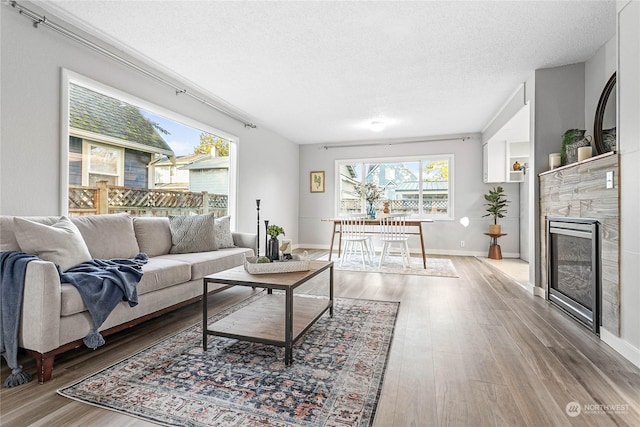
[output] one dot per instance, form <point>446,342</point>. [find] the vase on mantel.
<point>371,209</point>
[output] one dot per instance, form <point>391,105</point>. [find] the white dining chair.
<point>354,238</point>
<point>393,230</point>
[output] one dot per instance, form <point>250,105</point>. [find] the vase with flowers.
<point>273,246</point>
<point>371,193</point>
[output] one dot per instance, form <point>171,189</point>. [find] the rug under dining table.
<point>437,267</point>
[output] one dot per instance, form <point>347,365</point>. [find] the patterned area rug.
<point>442,267</point>
<point>335,379</point>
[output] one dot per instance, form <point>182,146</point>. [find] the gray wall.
<point>441,237</point>
<point>32,61</point>
<point>558,105</point>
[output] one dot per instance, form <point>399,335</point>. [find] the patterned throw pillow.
<point>224,239</point>
<point>195,233</point>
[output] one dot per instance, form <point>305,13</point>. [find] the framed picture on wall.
<point>316,181</point>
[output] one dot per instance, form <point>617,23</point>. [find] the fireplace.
<point>573,263</point>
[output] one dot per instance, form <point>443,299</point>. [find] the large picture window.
<point>123,154</point>
<point>420,187</point>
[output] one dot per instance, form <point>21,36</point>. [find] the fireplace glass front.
<point>574,268</point>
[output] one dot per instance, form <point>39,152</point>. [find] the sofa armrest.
<point>41,305</point>
<point>245,240</point>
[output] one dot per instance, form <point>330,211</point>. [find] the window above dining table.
<point>420,187</point>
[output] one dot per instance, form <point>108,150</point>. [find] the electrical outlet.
<point>462,243</point>
<point>609,179</point>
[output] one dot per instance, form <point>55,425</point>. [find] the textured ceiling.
<point>320,72</point>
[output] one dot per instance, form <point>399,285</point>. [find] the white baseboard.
<point>455,252</point>
<point>628,351</point>
<point>539,292</point>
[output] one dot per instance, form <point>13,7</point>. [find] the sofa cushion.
<point>162,273</point>
<point>158,274</point>
<point>193,233</point>
<point>60,243</point>
<point>153,235</point>
<point>205,263</point>
<point>222,228</point>
<point>108,236</point>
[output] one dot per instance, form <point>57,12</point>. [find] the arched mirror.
<point>604,127</point>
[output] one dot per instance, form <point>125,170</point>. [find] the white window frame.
<point>449,216</point>
<point>70,77</point>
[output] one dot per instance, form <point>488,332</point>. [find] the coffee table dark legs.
<point>331,290</point>
<point>288,328</point>
<point>204,314</point>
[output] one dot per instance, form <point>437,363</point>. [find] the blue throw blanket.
<point>101,284</point>
<point>13,267</point>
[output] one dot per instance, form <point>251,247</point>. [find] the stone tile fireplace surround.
<point>579,190</point>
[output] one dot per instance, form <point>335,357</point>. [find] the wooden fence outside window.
<point>408,206</point>
<point>104,199</point>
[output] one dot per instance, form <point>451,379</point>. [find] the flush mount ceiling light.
<point>377,126</point>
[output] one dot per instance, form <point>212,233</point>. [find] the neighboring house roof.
<point>180,161</point>
<point>348,169</point>
<point>426,186</point>
<point>209,163</point>
<point>101,114</point>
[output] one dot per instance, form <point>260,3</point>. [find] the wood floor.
<point>474,350</point>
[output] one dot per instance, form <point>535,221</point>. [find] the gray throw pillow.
<point>60,243</point>
<point>224,239</point>
<point>153,235</point>
<point>195,233</point>
<point>108,236</point>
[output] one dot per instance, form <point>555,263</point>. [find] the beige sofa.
<point>54,319</point>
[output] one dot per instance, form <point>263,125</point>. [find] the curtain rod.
<point>375,144</point>
<point>37,20</point>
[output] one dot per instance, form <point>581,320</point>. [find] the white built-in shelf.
<point>517,152</point>
<point>516,176</point>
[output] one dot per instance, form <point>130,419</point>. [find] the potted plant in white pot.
<point>496,207</point>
